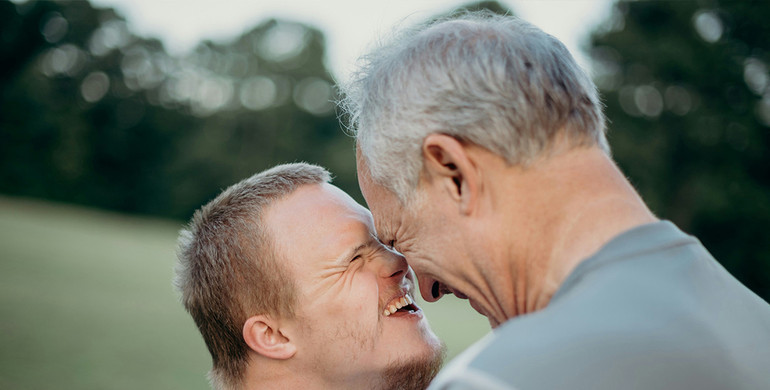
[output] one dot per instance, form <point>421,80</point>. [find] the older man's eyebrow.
<point>377,235</point>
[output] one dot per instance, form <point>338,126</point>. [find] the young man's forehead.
<point>321,216</point>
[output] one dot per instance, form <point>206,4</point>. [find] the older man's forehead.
<point>386,213</point>
<point>383,204</point>
<point>362,169</point>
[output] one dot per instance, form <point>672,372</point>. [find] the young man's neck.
<point>279,377</point>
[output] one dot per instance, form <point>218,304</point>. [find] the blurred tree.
<point>71,128</point>
<point>20,35</point>
<point>274,103</point>
<point>90,113</point>
<point>687,97</point>
<point>32,104</point>
<point>492,6</point>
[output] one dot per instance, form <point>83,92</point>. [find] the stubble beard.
<point>415,373</point>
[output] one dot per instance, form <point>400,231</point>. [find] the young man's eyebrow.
<point>371,242</point>
<point>350,253</point>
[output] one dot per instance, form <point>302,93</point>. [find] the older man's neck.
<point>567,208</point>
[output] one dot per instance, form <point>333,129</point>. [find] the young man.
<point>290,288</point>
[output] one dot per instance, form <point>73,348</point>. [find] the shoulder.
<point>518,353</point>
<point>461,372</point>
<point>530,354</point>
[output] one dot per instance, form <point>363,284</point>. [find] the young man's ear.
<point>449,165</point>
<point>264,336</point>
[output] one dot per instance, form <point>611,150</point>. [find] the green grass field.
<point>86,302</point>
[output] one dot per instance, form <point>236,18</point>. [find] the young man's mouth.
<point>402,304</point>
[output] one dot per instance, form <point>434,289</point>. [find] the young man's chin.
<point>415,373</point>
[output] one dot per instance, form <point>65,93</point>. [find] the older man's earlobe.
<point>264,336</point>
<point>449,165</point>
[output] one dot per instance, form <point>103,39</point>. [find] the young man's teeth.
<point>397,304</point>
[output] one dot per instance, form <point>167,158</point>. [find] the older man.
<point>482,156</point>
<point>285,278</point>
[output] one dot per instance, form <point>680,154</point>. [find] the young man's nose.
<point>394,266</point>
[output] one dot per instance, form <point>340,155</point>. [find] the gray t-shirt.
<point>651,310</point>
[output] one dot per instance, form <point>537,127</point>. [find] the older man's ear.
<point>451,167</point>
<point>264,336</point>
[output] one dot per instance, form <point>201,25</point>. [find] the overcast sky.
<point>349,25</point>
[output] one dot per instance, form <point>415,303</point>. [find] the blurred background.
<point>113,130</point>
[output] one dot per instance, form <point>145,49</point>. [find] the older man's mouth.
<point>401,304</point>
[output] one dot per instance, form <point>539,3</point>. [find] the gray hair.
<point>228,269</point>
<point>491,80</point>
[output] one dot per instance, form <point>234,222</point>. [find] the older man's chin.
<point>415,373</point>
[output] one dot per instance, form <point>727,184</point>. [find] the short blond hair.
<point>228,269</point>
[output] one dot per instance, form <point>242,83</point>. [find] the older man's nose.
<point>430,289</point>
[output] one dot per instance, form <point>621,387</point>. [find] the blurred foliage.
<point>490,6</point>
<point>91,114</point>
<point>686,92</point>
